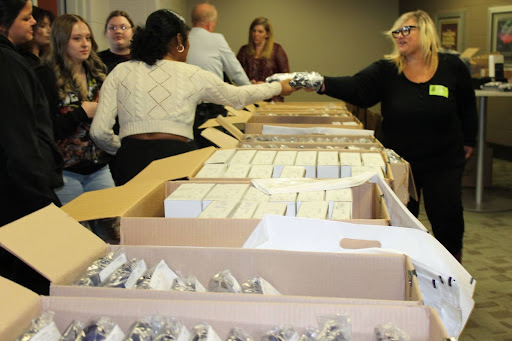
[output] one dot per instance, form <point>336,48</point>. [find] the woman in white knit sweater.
<point>155,97</point>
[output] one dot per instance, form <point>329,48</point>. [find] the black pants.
<point>442,194</point>
<point>134,155</point>
<point>204,112</point>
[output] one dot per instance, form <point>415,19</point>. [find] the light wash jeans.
<point>76,184</point>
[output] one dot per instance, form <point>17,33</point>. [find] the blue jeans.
<point>76,184</point>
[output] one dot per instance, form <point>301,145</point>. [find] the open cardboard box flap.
<point>122,201</point>
<point>239,116</point>
<point>52,243</point>
<point>20,306</point>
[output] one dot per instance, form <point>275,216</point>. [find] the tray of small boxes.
<point>256,163</point>
<point>239,199</point>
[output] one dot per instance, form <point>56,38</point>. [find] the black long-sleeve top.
<point>27,173</point>
<point>427,123</point>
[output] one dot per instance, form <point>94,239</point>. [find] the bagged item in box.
<point>127,275</point>
<point>224,281</point>
<point>72,331</point>
<point>309,334</point>
<point>159,277</point>
<point>100,330</point>
<point>203,332</point>
<point>101,268</point>
<point>172,330</point>
<point>282,333</point>
<point>258,285</point>
<point>146,329</point>
<point>389,332</point>
<point>238,334</point>
<point>42,328</point>
<point>334,328</point>
<point>189,283</point>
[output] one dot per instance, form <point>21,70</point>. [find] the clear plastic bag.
<point>173,330</point>
<point>224,281</point>
<point>93,275</point>
<point>159,277</point>
<point>100,330</point>
<point>334,328</point>
<point>203,332</point>
<point>42,328</point>
<point>126,275</point>
<point>309,334</point>
<point>72,331</point>
<point>282,333</point>
<point>389,332</point>
<point>238,334</point>
<point>146,329</point>
<point>258,285</point>
<point>189,283</point>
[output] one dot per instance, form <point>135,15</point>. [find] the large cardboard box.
<point>20,306</point>
<point>253,124</point>
<point>61,249</point>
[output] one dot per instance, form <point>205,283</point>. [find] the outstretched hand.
<point>286,88</point>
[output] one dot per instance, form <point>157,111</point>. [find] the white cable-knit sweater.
<point>163,98</point>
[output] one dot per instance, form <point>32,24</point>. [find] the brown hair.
<point>67,80</point>
<point>118,13</point>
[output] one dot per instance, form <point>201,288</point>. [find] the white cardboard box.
<point>261,171</point>
<point>328,165</point>
<point>293,172</point>
<point>264,157</point>
<point>275,208</point>
<point>283,158</point>
<point>221,156</point>
<point>212,170</point>
<point>307,159</point>
<point>186,201</point>
<point>237,171</point>
<point>313,209</point>
<point>218,209</point>
<point>243,156</point>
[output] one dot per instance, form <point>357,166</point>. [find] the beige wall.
<point>499,118</point>
<point>332,37</point>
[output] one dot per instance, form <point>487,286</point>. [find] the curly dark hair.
<point>40,13</point>
<point>151,43</point>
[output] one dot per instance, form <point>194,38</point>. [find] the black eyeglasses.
<point>406,30</point>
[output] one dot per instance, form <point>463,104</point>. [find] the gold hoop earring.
<point>180,48</point>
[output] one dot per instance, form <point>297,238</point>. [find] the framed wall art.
<point>450,27</point>
<point>500,31</point>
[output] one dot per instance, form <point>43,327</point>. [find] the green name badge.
<point>438,90</point>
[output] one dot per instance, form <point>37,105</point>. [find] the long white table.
<point>494,200</point>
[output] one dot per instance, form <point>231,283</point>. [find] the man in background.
<point>210,51</point>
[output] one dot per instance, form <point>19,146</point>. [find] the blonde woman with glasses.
<point>429,117</point>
